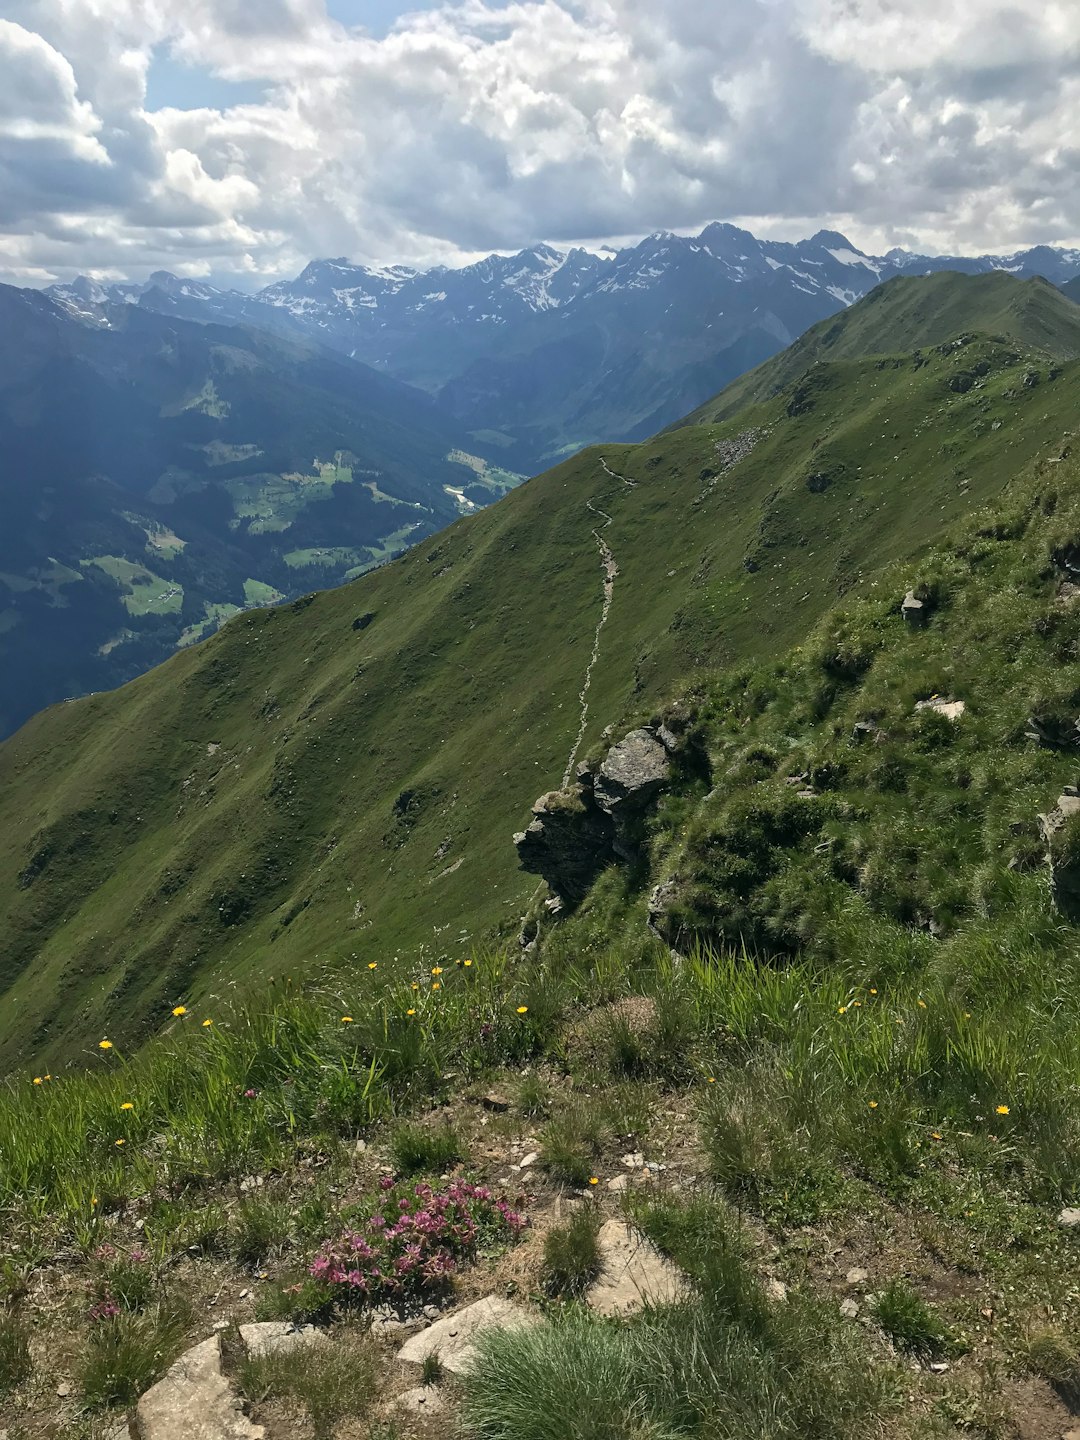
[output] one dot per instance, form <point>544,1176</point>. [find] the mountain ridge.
<point>554,349</point>
<point>344,774</point>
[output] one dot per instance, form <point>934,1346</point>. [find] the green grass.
<point>481,639</point>
<point>126,1353</point>
<point>417,1148</point>
<point>572,1255</point>
<point>15,1362</point>
<point>323,1383</point>
<point>144,592</point>
<point>258,592</point>
<point>908,1321</point>
<point>695,1369</point>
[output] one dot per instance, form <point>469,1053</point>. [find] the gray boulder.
<point>916,612</point>
<point>575,832</point>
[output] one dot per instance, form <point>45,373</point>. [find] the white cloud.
<point>472,127</point>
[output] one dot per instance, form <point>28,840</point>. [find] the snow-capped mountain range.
<point>554,349</point>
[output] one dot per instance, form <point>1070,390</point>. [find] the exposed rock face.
<point>634,1273</point>
<point>575,832</point>
<point>915,611</point>
<point>566,841</point>
<point>951,709</point>
<point>194,1401</point>
<point>1064,862</point>
<point>452,1339</point>
<point>631,775</point>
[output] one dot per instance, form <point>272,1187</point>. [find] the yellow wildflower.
<point>873,991</point>
<point>1002,1109</point>
<point>466,963</point>
<point>410,1012</point>
<point>179,1010</point>
<point>435,985</point>
<point>594,1180</point>
<point>373,965</point>
<point>206,1024</point>
<point>105,1045</point>
<point>436,969</point>
<point>118,1142</point>
<point>523,1009</point>
<point>922,1004</point>
<point>346,1019</point>
<point>127,1105</point>
<point>873,1104</point>
<point>37,1079</point>
<point>842,1010</point>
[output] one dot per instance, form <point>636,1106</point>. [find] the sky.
<point>237,139</point>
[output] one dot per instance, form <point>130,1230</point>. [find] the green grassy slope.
<point>909,313</point>
<point>297,793</point>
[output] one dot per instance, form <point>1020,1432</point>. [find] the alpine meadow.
<point>539,753</point>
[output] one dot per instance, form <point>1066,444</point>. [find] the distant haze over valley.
<point>549,350</point>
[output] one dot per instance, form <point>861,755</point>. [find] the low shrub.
<point>414,1240</point>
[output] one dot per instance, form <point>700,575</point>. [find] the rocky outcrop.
<point>195,1400</point>
<point>1064,857</point>
<point>916,612</point>
<point>453,1339</point>
<point>633,1273</point>
<point>575,832</point>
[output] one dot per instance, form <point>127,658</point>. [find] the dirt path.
<point>630,484</point>
<point>610,568</point>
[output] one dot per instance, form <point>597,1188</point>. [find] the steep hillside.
<point>837,1143</point>
<point>342,777</point>
<point>161,475</point>
<point>910,314</point>
<point>546,351</point>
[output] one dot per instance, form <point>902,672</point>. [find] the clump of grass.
<point>1050,1353</point>
<point>424,1149</point>
<point>533,1095</point>
<point>688,1370</point>
<point>571,1141</point>
<point>431,1371</point>
<point>125,1279</point>
<point>325,1382</point>
<point>300,1299</point>
<point>908,1321</point>
<point>259,1229</point>
<point>572,1255</point>
<point>125,1353</point>
<point>14,1350</point>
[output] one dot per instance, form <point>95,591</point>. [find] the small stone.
<point>939,1366</point>
<point>634,1161</point>
<point>359,1148</point>
<point>63,1390</point>
<point>775,1289</point>
<point>618,1182</point>
<point>527,1160</point>
<point>243,1294</point>
<point>423,1400</point>
<point>849,1308</point>
<point>858,1276</point>
<point>251,1182</point>
<point>1069,1217</point>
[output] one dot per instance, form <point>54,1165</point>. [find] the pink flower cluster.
<point>420,1245</point>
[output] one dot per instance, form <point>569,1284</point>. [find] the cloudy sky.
<point>239,138</point>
